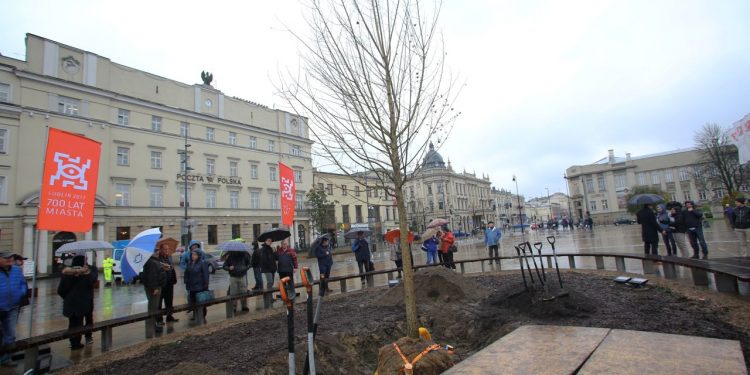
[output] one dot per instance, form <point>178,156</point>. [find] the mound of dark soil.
<point>466,312</point>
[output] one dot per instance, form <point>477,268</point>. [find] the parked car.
<point>214,262</point>
<point>624,220</point>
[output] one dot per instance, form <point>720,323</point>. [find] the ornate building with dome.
<point>437,191</point>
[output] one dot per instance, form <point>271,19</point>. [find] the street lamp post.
<point>549,205</point>
<point>567,190</point>
<point>520,215</point>
<point>185,169</point>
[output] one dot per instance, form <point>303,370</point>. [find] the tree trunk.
<point>410,298</point>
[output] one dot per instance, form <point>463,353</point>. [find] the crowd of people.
<point>677,225</point>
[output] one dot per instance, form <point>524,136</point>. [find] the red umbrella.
<point>437,223</point>
<point>393,235</point>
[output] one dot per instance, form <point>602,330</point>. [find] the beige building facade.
<point>143,122</point>
<point>601,187</point>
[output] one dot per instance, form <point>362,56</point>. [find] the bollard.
<point>343,285</point>
<point>599,262</point>
<point>649,267</point>
<point>670,271</point>
<point>229,309</point>
<point>390,275</point>
<point>267,300</point>
<point>30,359</point>
<point>150,327</point>
<point>725,283</point>
<point>571,262</point>
<point>549,261</point>
<point>700,277</point>
<point>199,318</point>
<point>106,339</point>
<point>482,265</point>
<point>463,270</point>
<point>620,264</point>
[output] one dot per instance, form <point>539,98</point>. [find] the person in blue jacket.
<point>325,258</point>
<point>492,237</point>
<point>12,291</point>
<point>185,257</point>
<point>196,278</point>
<point>430,245</point>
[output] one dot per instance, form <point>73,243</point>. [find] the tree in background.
<point>718,166</point>
<point>375,87</point>
<point>320,209</point>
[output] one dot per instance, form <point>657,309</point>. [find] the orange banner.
<point>71,171</point>
<point>288,194</point>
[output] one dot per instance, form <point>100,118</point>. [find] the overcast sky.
<point>549,84</point>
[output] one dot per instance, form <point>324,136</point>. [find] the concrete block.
<point>670,270</point>
<point>725,283</point>
<point>599,262</point>
<point>620,264</point>
<point>700,277</point>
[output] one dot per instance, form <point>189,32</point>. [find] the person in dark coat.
<point>694,223</point>
<point>170,279</point>
<point>325,258</point>
<point>238,263</point>
<point>287,262</point>
<point>665,223</point>
<point>196,279</point>
<point>740,220</point>
<point>649,229</point>
<point>679,230</point>
<point>361,250</point>
<point>153,279</point>
<point>268,262</point>
<point>255,263</point>
<point>77,290</point>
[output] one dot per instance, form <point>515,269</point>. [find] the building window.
<point>621,181</point>
<point>210,198</point>
<point>601,182</point>
<point>212,235</point>
<point>702,195</point>
<point>719,193</point>
<point>356,190</point>
<point>592,205</point>
<point>686,195</point>
<point>68,106</point>
<point>589,184</point>
<point>274,198</point>
<point>232,138</point>
<point>4,93</point>
<point>122,233</point>
<point>181,191</point>
<point>440,188</point>
<point>345,214</point>
<point>236,231</point>
<point>155,160</point>
<point>253,143</point>
<point>299,203</point>
<point>429,189</point>
<point>655,178</point>
<point>156,194</point>
<point>122,194</point>
<point>234,199</point>
<point>209,134</point>
<point>684,174</point>
<point>210,166</point>
<point>272,173</point>
<point>3,189</point>
<point>344,190</point>
<point>297,176</point>
<point>271,146</point>
<point>254,171</point>
<point>296,150</point>
<point>255,199</point>
<point>184,129</point>
<point>3,141</point>
<point>329,189</point>
<point>184,162</point>
<point>440,206</point>
<point>320,186</point>
<point>668,176</point>
<point>641,177</point>
<point>232,168</point>
<point>123,156</point>
<point>156,123</point>
<point>605,204</point>
<point>358,213</point>
<point>123,117</point>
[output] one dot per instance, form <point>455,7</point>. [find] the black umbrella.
<point>640,199</point>
<point>275,234</point>
<point>317,240</point>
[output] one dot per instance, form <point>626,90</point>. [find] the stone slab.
<point>633,352</point>
<point>532,349</point>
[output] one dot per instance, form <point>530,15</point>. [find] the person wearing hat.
<point>77,291</point>
<point>741,224</point>
<point>12,291</point>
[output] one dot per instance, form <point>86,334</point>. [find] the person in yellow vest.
<point>107,264</point>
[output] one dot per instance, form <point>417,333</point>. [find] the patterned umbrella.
<point>352,234</point>
<point>233,246</point>
<point>138,251</point>
<point>81,247</point>
<point>437,223</point>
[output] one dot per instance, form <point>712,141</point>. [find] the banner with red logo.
<point>739,135</point>
<point>71,171</point>
<point>288,194</point>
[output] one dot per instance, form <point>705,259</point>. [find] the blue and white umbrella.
<point>233,246</point>
<point>140,248</point>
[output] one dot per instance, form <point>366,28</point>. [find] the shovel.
<point>538,246</point>
<point>310,359</point>
<point>551,240</point>
<point>520,262</point>
<point>527,245</point>
<point>522,246</point>
<point>286,288</point>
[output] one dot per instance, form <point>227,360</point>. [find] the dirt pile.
<point>390,361</point>
<point>435,285</point>
<point>190,368</point>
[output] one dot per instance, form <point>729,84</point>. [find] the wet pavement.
<point>119,301</point>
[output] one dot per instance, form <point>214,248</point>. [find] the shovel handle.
<point>284,284</point>
<point>306,276</point>
<point>538,246</point>
<point>522,246</point>
<point>551,240</point>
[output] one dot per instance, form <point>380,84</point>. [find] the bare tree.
<point>718,165</point>
<point>376,90</point>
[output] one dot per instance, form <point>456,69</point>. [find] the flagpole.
<point>37,236</point>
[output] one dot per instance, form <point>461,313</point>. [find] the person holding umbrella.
<point>322,251</point>
<point>77,291</point>
<point>255,263</point>
<point>237,262</point>
<point>268,260</point>
<point>649,229</point>
<point>447,239</point>
<point>153,279</point>
<point>166,249</point>
<point>287,262</point>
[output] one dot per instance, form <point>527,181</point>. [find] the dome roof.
<point>433,159</point>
